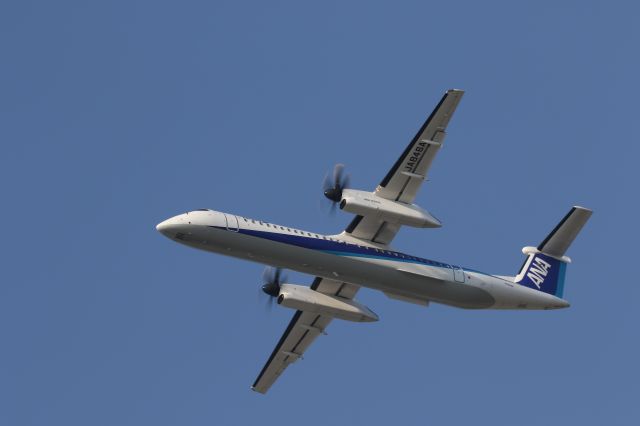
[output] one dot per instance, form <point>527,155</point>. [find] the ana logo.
<point>538,271</point>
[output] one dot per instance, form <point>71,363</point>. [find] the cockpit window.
<point>202,210</point>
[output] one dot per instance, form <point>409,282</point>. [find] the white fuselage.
<point>343,258</point>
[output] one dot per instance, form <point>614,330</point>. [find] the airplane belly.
<point>372,273</point>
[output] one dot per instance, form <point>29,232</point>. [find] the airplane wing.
<point>400,184</point>
<point>404,179</point>
<point>301,332</point>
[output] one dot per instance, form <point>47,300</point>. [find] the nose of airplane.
<point>164,227</point>
<point>169,227</point>
<point>185,224</point>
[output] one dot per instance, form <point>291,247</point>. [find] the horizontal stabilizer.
<point>559,240</point>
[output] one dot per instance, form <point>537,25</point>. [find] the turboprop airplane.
<point>361,256</point>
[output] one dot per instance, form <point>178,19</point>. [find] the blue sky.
<point>117,115</point>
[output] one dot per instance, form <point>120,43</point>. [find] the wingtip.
<point>583,208</point>
<point>257,391</point>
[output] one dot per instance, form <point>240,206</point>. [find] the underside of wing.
<point>403,181</point>
<point>407,174</point>
<point>301,332</point>
<point>372,228</point>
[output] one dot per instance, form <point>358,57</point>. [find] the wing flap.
<point>372,228</point>
<point>405,178</point>
<point>301,332</point>
<point>407,174</point>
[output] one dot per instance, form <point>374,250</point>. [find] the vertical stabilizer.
<point>544,269</point>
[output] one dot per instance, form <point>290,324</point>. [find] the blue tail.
<point>544,273</point>
<point>546,265</point>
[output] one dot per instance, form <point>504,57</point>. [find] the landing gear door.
<point>458,274</point>
<point>232,222</point>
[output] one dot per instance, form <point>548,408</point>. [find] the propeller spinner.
<point>333,187</point>
<point>272,278</point>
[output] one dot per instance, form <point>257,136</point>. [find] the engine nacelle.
<point>305,299</point>
<point>368,204</point>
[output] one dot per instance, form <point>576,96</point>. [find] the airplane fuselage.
<point>345,259</point>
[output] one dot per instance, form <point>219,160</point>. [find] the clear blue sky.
<point>116,115</point>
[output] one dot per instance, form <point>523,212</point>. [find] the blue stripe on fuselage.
<point>339,248</point>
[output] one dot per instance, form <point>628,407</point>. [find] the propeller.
<point>272,278</point>
<point>333,188</point>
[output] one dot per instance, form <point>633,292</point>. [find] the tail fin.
<point>545,266</point>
